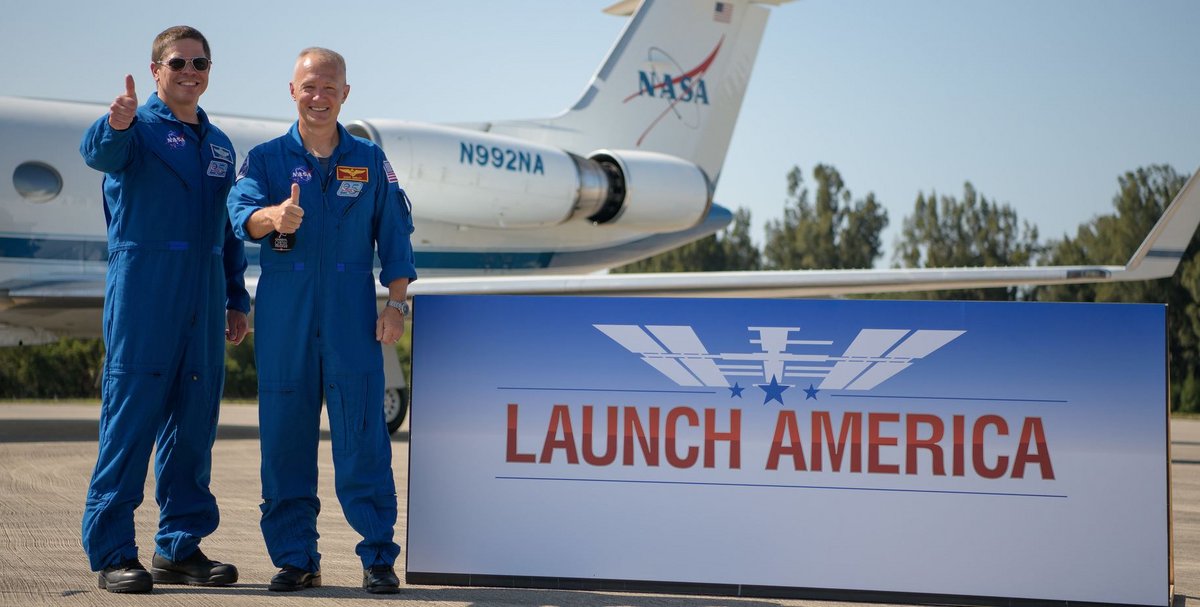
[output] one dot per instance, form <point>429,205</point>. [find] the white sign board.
<point>913,450</point>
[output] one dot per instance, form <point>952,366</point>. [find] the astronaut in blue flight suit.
<point>174,285</point>
<point>317,329</point>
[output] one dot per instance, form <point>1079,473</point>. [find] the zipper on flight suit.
<point>325,179</point>
<point>199,237</point>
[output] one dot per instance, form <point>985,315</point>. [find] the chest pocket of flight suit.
<point>354,206</point>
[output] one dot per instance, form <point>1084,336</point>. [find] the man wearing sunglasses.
<point>318,328</point>
<point>174,285</point>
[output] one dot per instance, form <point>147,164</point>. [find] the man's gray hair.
<point>324,54</point>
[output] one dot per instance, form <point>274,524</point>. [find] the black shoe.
<point>290,579</point>
<point>195,570</point>
<point>381,579</point>
<point>128,576</point>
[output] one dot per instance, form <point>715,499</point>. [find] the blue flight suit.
<point>174,267</point>
<point>315,334</point>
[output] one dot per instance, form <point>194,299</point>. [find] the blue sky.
<point>1040,105</point>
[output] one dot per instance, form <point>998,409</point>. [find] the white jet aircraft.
<point>533,207</point>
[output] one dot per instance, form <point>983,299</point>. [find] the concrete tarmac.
<point>46,456</point>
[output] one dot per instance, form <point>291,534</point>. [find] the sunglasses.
<point>177,63</point>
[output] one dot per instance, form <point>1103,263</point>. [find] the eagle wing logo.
<point>352,173</point>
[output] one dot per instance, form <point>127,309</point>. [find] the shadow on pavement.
<point>81,430</point>
<point>471,596</point>
<point>48,430</point>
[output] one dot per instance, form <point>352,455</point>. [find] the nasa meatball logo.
<point>681,91</point>
<point>301,175</point>
<point>175,141</point>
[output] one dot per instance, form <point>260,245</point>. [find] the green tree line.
<point>71,368</point>
<point>825,226</point>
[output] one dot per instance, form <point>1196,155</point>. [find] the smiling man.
<point>317,328</point>
<point>174,285</point>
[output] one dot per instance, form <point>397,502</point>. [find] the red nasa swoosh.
<point>699,70</point>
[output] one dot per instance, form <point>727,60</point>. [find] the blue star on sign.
<point>736,390</point>
<point>773,390</point>
<point>811,392</point>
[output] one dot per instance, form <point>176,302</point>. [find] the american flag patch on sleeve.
<point>391,175</point>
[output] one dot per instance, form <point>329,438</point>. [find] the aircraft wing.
<point>41,311</point>
<point>782,283</point>
<point>1157,257</point>
<point>70,305</point>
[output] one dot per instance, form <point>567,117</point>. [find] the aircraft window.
<point>37,181</point>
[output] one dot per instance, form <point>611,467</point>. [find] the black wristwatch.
<point>399,305</point>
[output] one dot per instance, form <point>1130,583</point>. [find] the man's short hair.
<point>174,34</point>
<point>324,54</point>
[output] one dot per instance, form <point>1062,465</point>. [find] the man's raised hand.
<point>124,108</point>
<point>290,213</point>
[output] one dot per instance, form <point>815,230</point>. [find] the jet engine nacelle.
<point>651,191</point>
<point>477,179</point>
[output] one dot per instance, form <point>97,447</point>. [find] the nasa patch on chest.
<point>175,140</point>
<point>216,168</point>
<point>350,189</point>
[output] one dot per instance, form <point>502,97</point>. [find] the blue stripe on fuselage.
<point>69,249</point>
<point>53,249</point>
<point>62,249</point>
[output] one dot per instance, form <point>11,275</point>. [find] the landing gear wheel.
<point>395,408</point>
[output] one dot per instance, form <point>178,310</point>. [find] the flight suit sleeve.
<point>249,193</point>
<point>234,257</point>
<point>106,149</point>
<point>393,228</point>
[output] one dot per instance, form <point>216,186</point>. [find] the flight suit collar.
<point>296,143</point>
<point>159,109</point>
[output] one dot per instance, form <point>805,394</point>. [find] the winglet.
<point>624,8</point>
<point>1162,250</point>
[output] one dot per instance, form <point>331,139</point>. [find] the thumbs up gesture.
<point>288,213</point>
<point>124,108</point>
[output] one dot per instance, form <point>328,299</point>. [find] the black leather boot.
<point>128,576</point>
<point>381,579</point>
<point>290,579</point>
<point>195,570</point>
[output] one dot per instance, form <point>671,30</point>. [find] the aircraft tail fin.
<point>1164,247</point>
<point>673,83</point>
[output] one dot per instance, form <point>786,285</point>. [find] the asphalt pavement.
<point>47,452</point>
